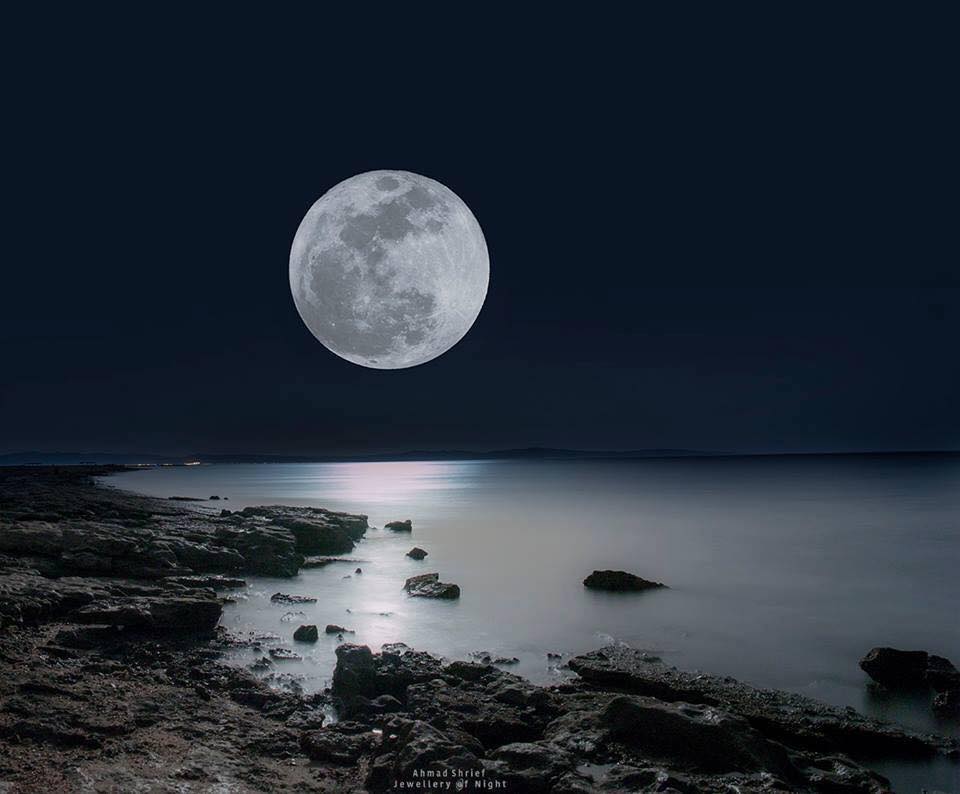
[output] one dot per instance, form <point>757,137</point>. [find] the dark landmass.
<point>526,453</point>
<point>111,679</point>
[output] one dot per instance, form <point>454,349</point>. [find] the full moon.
<point>389,269</point>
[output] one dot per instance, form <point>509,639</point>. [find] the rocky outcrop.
<point>619,582</point>
<point>306,633</point>
<point>910,669</point>
<point>399,526</point>
<point>783,716</point>
<point>896,669</point>
<point>574,738</point>
<point>417,553</point>
<point>428,585</point>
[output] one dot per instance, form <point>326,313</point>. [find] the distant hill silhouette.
<point>525,453</point>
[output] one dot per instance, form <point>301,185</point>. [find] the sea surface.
<point>782,572</point>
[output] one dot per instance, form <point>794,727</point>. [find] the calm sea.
<point>782,572</point>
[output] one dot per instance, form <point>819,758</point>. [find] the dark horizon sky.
<point>711,233</point>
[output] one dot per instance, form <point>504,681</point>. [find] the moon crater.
<point>389,269</point>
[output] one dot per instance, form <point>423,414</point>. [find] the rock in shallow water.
<point>428,585</point>
<point>286,598</point>
<point>619,581</point>
<point>416,553</point>
<point>333,628</point>
<point>399,526</point>
<point>306,633</point>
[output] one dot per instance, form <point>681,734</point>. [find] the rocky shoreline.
<point>111,679</point>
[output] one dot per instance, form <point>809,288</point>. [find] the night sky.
<point>710,233</point>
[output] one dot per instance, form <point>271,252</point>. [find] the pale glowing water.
<point>782,572</point>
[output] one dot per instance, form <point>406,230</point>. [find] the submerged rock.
<point>286,598</point>
<point>333,628</point>
<point>619,581</point>
<point>428,585</point>
<point>399,526</point>
<point>306,633</point>
<point>417,553</point>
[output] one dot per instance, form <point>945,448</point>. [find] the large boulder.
<point>895,668</point>
<point>428,585</point>
<point>898,669</point>
<point>399,526</point>
<point>306,634</point>
<point>619,581</point>
<point>355,672</point>
<point>416,553</point>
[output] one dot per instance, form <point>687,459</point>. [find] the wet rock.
<point>45,540</point>
<point>286,598</point>
<point>306,633</point>
<point>399,526</point>
<point>416,750</point>
<point>266,550</point>
<point>896,668</point>
<point>790,718</point>
<point>355,672</point>
<point>941,675</point>
<point>284,655</point>
<point>428,585</point>
<point>334,746</point>
<point>417,553</point>
<point>947,703</point>
<point>195,615</point>
<point>530,766</point>
<point>708,738</point>
<point>333,628</point>
<point>506,660</point>
<point>213,581</point>
<point>214,498</point>
<point>316,537</point>
<point>619,581</point>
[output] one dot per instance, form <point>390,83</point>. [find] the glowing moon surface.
<point>389,269</point>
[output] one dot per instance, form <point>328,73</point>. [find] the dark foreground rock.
<point>607,731</point>
<point>619,581</point>
<point>428,585</point>
<point>786,717</point>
